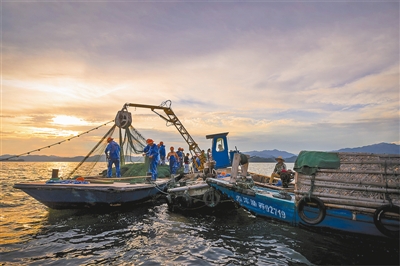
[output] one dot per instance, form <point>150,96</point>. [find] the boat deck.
<point>91,184</point>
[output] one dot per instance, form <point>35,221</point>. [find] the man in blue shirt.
<point>151,151</point>
<point>180,156</point>
<point>173,159</point>
<point>162,153</point>
<point>112,154</point>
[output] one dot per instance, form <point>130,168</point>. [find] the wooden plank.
<point>380,162</point>
<point>328,195</point>
<point>346,181</point>
<point>351,202</point>
<point>366,189</point>
<point>262,178</point>
<point>354,154</point>
<point>358,172</point>
<point>351,208</point>
<point>235,166</point>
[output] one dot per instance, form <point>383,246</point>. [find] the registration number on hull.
<point>263,207</point>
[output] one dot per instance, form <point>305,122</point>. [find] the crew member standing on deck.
<point>180,156</point>
<point>173,159</point>
<point>186,168</point>
<point>112,154</point>
<point>162,153</point>
<point>280,165</point>
<point>151,151</point>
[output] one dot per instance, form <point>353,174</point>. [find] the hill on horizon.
<point>270,154</point>
<point>382,148</point>
<point>387,148</point>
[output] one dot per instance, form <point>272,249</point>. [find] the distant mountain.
<point>256,159</point>
<point>382,148</point>
<point>270,154</point>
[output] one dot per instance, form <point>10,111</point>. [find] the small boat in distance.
<point>346,192</point>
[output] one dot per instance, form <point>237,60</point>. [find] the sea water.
<point>32,234</point>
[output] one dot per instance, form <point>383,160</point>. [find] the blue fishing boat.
<point>93,192</point>
<point>77,190</point>
<point>348,192</point>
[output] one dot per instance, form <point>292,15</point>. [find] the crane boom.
<point>173,119</point>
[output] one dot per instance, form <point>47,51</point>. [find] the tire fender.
<point>211,198</point>
<point>321,210</point>
<point>378,220</point>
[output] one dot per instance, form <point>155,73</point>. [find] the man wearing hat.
<point>112,154</point>
<point>151,151</point>
<point>279,167</point>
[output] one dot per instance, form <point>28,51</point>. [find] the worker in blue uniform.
<point>173,159</point>
<point>151,151</point>
<point>180,157</point>
<point>162,153</point>
<point>112,154</point>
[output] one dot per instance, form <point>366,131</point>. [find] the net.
<point>132,143</point>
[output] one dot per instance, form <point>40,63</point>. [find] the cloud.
<point>287,75</point>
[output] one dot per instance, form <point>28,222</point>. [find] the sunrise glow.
<point>52,132</point>
<point>291,76</point>
<point>66,120</point>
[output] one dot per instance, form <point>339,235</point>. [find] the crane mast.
<point>173,119</point>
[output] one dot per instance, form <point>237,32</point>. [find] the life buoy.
<point>380,214</point>
<point>321,210</point>
<point>211,198</point>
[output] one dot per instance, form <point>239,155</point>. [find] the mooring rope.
<point>49,146</point>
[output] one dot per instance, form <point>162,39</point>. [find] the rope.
<point>49,146</point>
<point>157,187</point>
<point>109,133</point>
<point>312,186</point>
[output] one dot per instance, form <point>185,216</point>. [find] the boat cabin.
<point>219,150</point>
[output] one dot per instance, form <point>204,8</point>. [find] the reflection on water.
<point>31,234</point>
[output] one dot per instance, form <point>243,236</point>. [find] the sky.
<point>285,75</point>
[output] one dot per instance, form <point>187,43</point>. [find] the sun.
<point>67,120</point>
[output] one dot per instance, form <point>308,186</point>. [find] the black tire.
<point>378,215</point>
<point>321,210</point>
<point>211,198</point>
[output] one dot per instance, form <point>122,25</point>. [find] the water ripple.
<point>31,234</point>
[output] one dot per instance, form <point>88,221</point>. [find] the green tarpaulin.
<point>308,162</point>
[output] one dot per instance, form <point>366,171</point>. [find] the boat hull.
<point>269,203</point>
<point>76,196</point>
<point>195,195</point>
<point>261,204</point>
